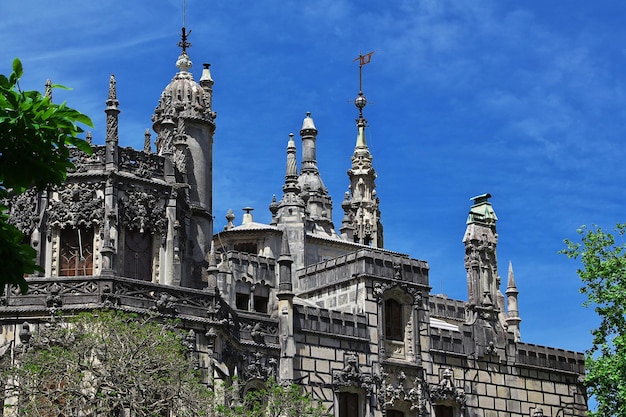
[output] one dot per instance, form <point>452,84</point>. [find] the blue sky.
<point>524,100</point>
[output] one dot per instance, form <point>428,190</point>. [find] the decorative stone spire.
<point>48,90</point>
<point>361,222</point>
<point>285,261</point>
<point>285,312</point>
<point>513,320</point>
<point>319,205</point>
<point>112,137</point>
<point>480,259</point>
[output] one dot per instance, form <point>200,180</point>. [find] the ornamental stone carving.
<point>77,205</point>
<point>258,367</point>
<point>397,387</point>
<point>447,391</point>
<point>381,287</point>
<point>141,211</point>
<point>351,375</point>
<point>23,211</point>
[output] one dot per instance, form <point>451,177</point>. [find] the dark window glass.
<point>242,301</point>
<point>394,413</point>
<point>138,255</point>
<point>76,254</point>
<point>444,411</point>
<point>348,404</point>
<point>260,303</point>
<point>394,324</point>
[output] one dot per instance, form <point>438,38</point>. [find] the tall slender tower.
<point>361,222</point>
<point>185,123</point>
<point>480,242</point>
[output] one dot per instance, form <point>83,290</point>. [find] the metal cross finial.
<point>183,43</point>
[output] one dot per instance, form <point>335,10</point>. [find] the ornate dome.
<point>184,97</point>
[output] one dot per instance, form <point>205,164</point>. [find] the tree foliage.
<point>270,399</point>
<point>102,363</point>
<point>603,273</point>
<point>35,140</point>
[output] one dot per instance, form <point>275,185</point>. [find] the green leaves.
<point>35,140</point>
<point>603,274</point>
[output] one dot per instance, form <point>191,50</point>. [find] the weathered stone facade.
<point>354,323</point>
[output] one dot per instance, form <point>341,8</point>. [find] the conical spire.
<point>513,319</point>
<point>112,136</point>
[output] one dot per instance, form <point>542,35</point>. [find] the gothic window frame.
<point>350,393</point>
<point>398,346</point>
<point>243,289</point>
<point>84,243</point>
<point>150,238</point>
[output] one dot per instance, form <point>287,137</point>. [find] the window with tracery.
<point>76,252</point>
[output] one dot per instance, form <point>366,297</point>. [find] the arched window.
<point>76,252</point>
<point>394,322</point>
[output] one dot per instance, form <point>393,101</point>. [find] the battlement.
<point>255,268</point>
<point>364,262</point>
<point>551,358</point>
<point>332,323</point>
<point>447,308</point>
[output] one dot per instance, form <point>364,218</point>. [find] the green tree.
<point>102,363</point>
<point>270,399</point>
<point>35,140</point>
<point>603,273</point>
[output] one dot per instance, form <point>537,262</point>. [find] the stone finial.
<point>89,137</point>
<point>48,91</point>
<point>112,88</point>
<point>146,142</point>
<point>230,216</point>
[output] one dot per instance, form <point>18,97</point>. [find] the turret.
<point>319,205</point>
<point>480,259</point>
<point>513,320</point>
<point>185,123</point>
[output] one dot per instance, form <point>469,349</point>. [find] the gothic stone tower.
<point>185,123</point>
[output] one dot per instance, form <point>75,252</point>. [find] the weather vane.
<point>183,43</point>
<point>360,102</point>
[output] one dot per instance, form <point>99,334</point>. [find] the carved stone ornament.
<point>140,163</point>
<point>402,389</point>
<point>258,367</point>
<point>23,211</point>
<point>53,298</point>
<point>78,205</point>
<point>351,375</point>
<point>140,211</point>
<point>381,287</point>
<point>447,391</point>
<point>83,162</point>
<point>165,304</point>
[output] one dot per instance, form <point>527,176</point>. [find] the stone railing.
<point>447,308</point>
<point>331,322</point>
